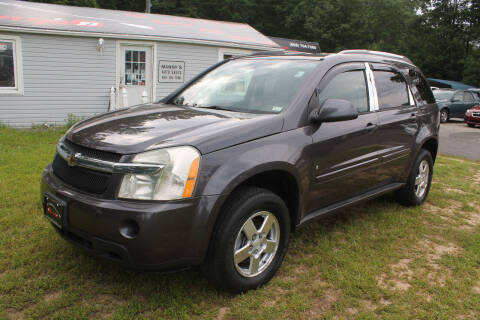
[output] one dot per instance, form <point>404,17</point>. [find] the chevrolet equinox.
<point>220,172</point>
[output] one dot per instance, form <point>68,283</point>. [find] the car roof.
<point>342,56</point>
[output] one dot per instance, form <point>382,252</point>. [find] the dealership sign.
<point>171,71</point>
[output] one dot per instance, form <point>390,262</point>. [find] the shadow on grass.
<point>189,285</point>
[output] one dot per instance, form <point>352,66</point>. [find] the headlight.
<point>175,181</point>
<point>468,113</point>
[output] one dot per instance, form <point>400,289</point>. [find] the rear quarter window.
<point>421,89</point>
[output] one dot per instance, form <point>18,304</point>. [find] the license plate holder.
<point>54,210</point>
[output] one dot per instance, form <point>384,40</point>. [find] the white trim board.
<point>137,37</point>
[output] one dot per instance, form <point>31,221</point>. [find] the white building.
<point>59,60</point>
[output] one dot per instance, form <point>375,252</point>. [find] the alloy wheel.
<point>422,179</point>
<point>256,244</point>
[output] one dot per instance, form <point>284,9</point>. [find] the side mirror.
<point>333,110</point>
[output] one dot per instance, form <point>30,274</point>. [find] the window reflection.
<point>7,65</point>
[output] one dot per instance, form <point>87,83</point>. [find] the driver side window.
<point>351,86</point>
<point>458,96</point>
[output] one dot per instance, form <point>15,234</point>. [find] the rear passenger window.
<point>351,86</point>
<point>391,89</point>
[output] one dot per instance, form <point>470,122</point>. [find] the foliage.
<point>471,70</point>
<point>71,120</point>
<point>438,35</point>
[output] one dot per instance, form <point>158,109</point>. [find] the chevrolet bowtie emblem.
<point>71,160</point>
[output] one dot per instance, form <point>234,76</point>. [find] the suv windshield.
<point>442,95</point>
<point>248,85</point>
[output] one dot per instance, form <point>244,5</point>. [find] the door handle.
<point>413,114</point>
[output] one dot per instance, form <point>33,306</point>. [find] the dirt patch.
<point>401,274</point>
<point>324,303</point>
<point>399,277</point>
<point>476,177</point>
<point>476,288</point>
<point>472,220</point>
<point>53,296</point>
<point>222,312</point>
<point>13,314</point>
<point>454,190</point>
<point>105,305</point>
<point>268,303</point>
<point>436,275</point>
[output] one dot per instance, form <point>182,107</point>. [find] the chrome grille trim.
<point>78,159</point>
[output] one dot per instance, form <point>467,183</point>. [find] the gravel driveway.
<point>457,139</point>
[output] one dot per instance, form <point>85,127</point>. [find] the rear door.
<point>397,117</point>
<point>344,154</point>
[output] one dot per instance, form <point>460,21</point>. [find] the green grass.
<point>377,260</point>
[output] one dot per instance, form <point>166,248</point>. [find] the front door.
<point>344,154</point>
<point>135,75</point>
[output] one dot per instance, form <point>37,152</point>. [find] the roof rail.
<point>278,53</point>
<point>378,53</point>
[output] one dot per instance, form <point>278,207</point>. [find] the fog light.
<point>129,229</point>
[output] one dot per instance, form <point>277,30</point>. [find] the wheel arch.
<point>431,145</point>
<point>280,178</point>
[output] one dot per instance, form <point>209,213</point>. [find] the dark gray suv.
<point>222,170</point>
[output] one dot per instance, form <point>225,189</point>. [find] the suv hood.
<point>155,126</point>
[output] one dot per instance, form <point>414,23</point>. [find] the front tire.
<point>444,115</point>
<point>249,241</point>
<point>471,125</point>
<point>419,181</point>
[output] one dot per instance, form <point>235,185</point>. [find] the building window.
<point>11,77</point>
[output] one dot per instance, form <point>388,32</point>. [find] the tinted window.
<point>422,87</point>
<point>458,96</point>
<point>349,86</point>
<point>7,71</point>
<point>467,96</point>
<point>442,95</point>
<point>391,89</point>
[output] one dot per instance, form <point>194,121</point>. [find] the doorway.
<point>136,75</point>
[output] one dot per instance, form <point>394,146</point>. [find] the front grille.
<point>476,114</point>
<point>82,178</point>
<point>92,153</point>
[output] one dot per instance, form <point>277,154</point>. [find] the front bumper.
<point>170,235</point>
<point>471,120</point>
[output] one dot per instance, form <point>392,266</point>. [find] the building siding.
<point>65,75</point>
<point>61,75</point>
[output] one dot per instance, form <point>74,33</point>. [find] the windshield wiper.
<point>215,107</point>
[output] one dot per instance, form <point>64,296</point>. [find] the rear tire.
<point>419,181</point>
<point>444,115</point>
<point>241,255</point>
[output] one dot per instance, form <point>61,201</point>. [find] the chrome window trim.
<point>78,159</point>
<point>410,97</point>
<point>372,89</point>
